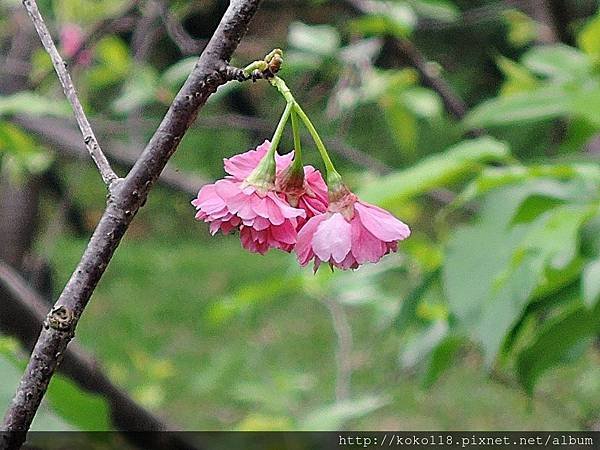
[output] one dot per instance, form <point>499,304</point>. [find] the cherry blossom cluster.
<point>273,201</point>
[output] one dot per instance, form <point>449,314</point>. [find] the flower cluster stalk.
<point>297,166</point>
<point>264,174</point>
<point>276,202</point>
<point>333,177</point>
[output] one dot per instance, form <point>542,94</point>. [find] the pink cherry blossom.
<point>311,197</point>
<point>263,218</point>
<point>242,165</point>
<point>349,234</point>
<point>71,39</point>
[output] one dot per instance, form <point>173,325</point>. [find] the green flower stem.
<point>331,172</point>
<point>280,126</point>
<point>264,173</point>
<point>283,89</point>
<point>297,164</point>
<point>256,65</point>
<point>332,175</point>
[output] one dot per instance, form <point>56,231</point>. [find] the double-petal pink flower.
<point>349,234</point>
<point>263,218</point>
<point>263,215</point>
<point>310,196</point>
<point>292,208</point>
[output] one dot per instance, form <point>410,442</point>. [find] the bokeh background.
<point>476,122</point>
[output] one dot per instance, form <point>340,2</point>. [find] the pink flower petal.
<point>282,162</point>
<point>315,182</point>
<point>289,212</point>
<point>381,223</point>
<point>304,239</point>
<point>365,246</point>
<point>275,214</point>
<point>260,223</point>
<point>240,166</point>
<point>332,240</point>
<point>230,192</point>
<point>285,233</point>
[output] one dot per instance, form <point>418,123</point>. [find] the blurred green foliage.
<point>490,308</point>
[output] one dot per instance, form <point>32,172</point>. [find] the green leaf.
<point>508,260</point>
<point>395,19</point>
<point>22,153</point>
<point>33,104</point>
<point>138,90</point>
<point>521,28</point>
<point>176,74</point>
<point>86,411</point>
<point>588,39</point>
<point>435,171</point>
<point>590,238</point>
<point>517,78</point>
<point>422,102</point>
<point>555,340</point>
<point>554,234</point>
<point>578,133</point>
<point>88,11</point>
<point>403,126</point>
<point>409,305</point>
<point>585,102</point>
<point>556,61</point>
<point>442,10</point>
<point>495,177</point>
<point>441,359</point>
<point>114,63</point>
<point>323,40</point>
<point>590,283</point>
<point>534,106</point>
<point>11,369</point>
<point>416,349</point>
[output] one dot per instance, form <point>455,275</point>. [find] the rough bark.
<point>127,196</point>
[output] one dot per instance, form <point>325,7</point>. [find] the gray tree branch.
<point>119,22</point>
<point>126,197</point>
<point>187,44</point>
<point>108,175</point>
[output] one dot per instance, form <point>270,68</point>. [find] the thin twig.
<point>145,33</point>
<point>343,352</point>
<point>187,44</point>
<point>119,22</point>
<point>103,27</point>
<point>128,195</point>
<point>63,138</point>
<point>453,103</point>
<point>91,143</point>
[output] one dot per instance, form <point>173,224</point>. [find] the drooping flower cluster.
<point>276,202</point>
<point>296,212</point>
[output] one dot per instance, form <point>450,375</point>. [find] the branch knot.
<point>60,318</point>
